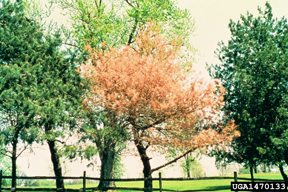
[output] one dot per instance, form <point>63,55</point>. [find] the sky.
<point>211,20</point>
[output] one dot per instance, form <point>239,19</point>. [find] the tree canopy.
<point>253,70</point>
<point>21,43</point>
<point>39,85</point>
<point>116,23</point>
<point>157,100</point>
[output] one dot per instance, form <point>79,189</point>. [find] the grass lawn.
<point>192,185</point>
<point>183,185</point>
<point>211,184</point>
<point>274,176</point>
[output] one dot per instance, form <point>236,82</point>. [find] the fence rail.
<point>84,178</point>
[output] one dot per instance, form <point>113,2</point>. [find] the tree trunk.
<point>106,146</point>
<point>147,171</point>
<point>255,169</point>
<point>188,165</point>
<point>56,164</point>
<point>251,173</point>
<point>14,156</point>
<point>281,167</point>
<point>264,168</point>
<point>55,160</point>
<point>13,159</point>
<point>188,173</point>
<point>283,173</point>
<point>107,157</point>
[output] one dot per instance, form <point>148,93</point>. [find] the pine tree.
<point>39,86</point>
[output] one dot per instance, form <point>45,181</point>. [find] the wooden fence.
<point>84,179</point>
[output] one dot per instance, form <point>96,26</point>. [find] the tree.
<point>40,90</point>
<point>190,166</point>
<point>253,70</point>
<point>105,131</point>
<point>157,100</point>
<point>18,75</point>
<point>197,169</point>
<point>60,104</point>
<point>117,24</point>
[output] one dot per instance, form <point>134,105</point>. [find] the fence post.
<point>160,182</point>
<point>235,177</point>
<point>0,180</point>
<point>84,181</point>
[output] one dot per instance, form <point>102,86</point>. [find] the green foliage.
<point>118,167</point>
<point>226,168</point>
<point>117,22</point>
<point>35,77</point>
<point>190,165</point>
<point>18,72</point>
<point>40,11</point>
<point>244,170</point>
<point>197,169</point>
<point>40,90</point>
<point>254,71</point>
<point>21,42</point>
<point>32,183</point>
<point>5,166</point>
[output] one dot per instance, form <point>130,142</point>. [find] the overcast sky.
<point>212,18</point>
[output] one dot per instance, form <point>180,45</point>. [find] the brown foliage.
<point>161,102</point>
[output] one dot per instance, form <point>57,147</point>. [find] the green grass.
<point>192,185</point>
<point>185,185</point>
<point>273,176</point>
<point>182,185</point>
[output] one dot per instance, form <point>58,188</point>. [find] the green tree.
<point>196,168</point>
<point>18,75</point>
<point>116,23</point>
<point>40,90</point>
<point>102,128</point>
<point>254,72</point>
<point>59,102</point>
<point>189,163</point>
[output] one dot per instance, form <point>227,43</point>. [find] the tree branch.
<point>148,145</point>
<point>22,151</point>
<point>132,32</point>
<point>95,135</point>
<point>129,3</point>
<point>69,44</point>
<point>62,142</point>
<point>4,152</point>
<point>172,161</point>
<point>96,3</point>
<point>153,124</point>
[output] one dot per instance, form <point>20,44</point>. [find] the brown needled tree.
<point>162,104</point>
